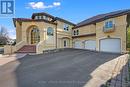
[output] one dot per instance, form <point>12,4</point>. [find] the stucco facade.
<point>61,38</point>
<point>64,34</point>
<point>119,32</point>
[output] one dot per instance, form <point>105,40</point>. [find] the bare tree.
<point>3,32</point>
<point>3,35</point>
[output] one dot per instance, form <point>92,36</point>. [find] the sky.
<point>71,10</point>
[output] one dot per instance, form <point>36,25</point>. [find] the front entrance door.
<point>65,43</point>
<point>35,36</point>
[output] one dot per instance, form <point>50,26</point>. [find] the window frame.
<point>50,33</point>
<point>40,17</point>
<point>66,27</point>
<point>108,25</point>
<point>76,32</point>
<point>36,17</point>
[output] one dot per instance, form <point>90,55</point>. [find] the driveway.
<point>68,68</point>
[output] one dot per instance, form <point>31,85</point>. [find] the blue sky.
<point>72,10</point>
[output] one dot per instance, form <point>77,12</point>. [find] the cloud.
<point>41,5</point>
<point>56,3</point>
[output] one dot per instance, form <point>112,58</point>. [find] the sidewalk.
<point>4,59</point>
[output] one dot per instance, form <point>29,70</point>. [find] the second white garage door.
<point>78,45</point>
<point>110,45</point>
<point>90,45</point>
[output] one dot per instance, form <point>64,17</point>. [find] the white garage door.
<point>90,45</point>
<point>78,45</point>
<point>110,45</point>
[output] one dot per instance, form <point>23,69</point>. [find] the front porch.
<point>30,41</point>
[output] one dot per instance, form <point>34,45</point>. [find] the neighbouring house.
<point>105,32</point>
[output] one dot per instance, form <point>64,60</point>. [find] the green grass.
<point>128,80</point>
<point>128,38</point>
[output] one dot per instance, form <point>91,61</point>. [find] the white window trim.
<point>76,33</point>
<point>36,17</point>
<point>108,21</point>
<point>68,27</point>
<point>52,32</point>
<point>40,17</point>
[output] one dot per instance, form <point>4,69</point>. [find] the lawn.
<point>128,39</point>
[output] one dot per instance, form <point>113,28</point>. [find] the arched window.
<point>50,31</point>
<point>35,36</point>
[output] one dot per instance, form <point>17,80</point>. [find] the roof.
<point>63,20</point>
<point>42,13</point>
<point>55,18</point>
<point>30,20</point>
<point>39,20</point>
<point>102,17</point>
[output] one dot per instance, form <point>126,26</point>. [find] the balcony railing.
<point>106,30</point>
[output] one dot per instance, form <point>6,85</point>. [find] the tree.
<point>3,35</point>
<point>3,32</point>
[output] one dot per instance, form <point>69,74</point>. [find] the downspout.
<point>56,34</point>
<point>127,26</point>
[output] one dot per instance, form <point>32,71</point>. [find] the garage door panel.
<point>110,45</point>
<point>90,45</point>
<point>78,45</point>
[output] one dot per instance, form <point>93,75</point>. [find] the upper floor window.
<point>46,18</point>
<point>40,17</point>
<point>50,31</point>
<point>43,17</point>
<point>76,32</point>
<point>109,24</point>
<point>66,27</point>
<point>36,17</point>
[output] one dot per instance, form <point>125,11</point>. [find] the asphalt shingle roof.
<point>101,17</point>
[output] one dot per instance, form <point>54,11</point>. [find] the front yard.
<point>68,68</point>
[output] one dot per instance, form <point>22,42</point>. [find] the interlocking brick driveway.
<point>68,68</point>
